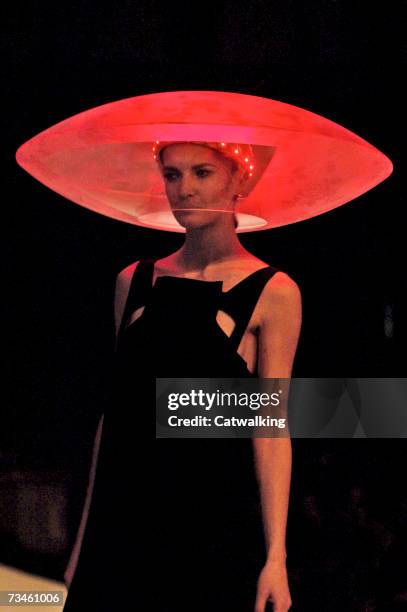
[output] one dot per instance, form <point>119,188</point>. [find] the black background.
<point>342,60</point>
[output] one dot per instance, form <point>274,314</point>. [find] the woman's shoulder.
<point>282,289</point>
<point>127,272</point>
<point>123,282</point>
<point>281,297</point>
<point>123,279</point>
<point>280,292</point>
<point>280,282</point>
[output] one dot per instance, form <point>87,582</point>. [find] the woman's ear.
<point>240,184</point>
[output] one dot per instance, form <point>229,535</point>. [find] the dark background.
<point>338,59</point>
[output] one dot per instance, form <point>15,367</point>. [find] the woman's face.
<point>200,183</point>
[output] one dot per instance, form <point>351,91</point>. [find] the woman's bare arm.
<point>278,338</point>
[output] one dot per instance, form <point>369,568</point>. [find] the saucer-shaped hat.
<point>103,158</point>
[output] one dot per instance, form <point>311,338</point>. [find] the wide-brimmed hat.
<point>102,158</point>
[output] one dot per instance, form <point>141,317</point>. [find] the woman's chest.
<point>184,329</point>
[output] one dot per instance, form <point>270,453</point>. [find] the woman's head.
<point>203,180</point>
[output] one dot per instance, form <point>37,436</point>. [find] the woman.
<point>202,185</point>
<point>211,309</point>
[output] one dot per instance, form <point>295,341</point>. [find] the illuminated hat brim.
<point>102,158</point>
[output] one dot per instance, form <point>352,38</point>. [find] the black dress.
<point>174,524</point>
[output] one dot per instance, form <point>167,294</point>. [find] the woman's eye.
<point>170,176</point>
<point>203,172</point>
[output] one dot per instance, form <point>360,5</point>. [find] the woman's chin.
<point>194,219</point>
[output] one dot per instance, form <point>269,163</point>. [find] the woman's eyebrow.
<point>195,167</point>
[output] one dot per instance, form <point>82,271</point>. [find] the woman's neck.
<point>209,245</point>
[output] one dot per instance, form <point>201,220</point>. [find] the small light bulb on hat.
<point>241,153</point>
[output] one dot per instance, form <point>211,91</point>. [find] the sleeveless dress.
<point>174,524</point>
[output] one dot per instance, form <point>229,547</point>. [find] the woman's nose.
<point>186,186</point>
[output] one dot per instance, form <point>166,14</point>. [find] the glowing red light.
<point>305,164</point>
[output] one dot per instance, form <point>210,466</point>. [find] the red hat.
<point>102,158</point>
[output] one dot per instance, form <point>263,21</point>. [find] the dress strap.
<point>241,301</point>
<point>140,287</point>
